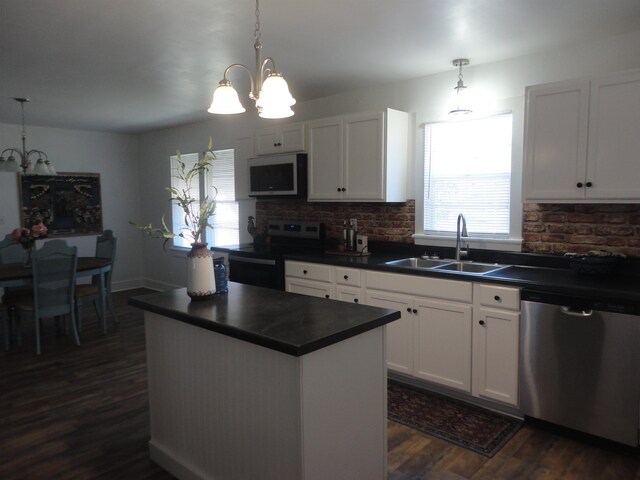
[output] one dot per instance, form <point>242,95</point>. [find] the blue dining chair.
<point>90,292</point>
<point>54,278</point>
<point>10,250</point>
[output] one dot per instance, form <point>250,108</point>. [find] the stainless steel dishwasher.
<point>580,364</point>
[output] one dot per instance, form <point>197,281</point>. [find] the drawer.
<point>459,291</point>
<point>496,297</point>
<point>348,276</point>
<point>312,271</point>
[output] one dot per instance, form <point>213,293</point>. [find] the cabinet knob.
<point>304,271</point>
<point>326,296</point>
<point>343,189</point>
<point>481,322</point>
<point>409,309</point>
<point>346,277</point>
<point>497,298</point>
<point>579,184</point>
<point>415,310</point>
<point>355,300</point>
<point>589,184</point>
<point>338,189</point>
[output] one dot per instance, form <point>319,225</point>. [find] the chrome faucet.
<point>464,251</point>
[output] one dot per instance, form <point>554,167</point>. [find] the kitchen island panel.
<point>225,408</point>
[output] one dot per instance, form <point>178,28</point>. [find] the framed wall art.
<point>68,203</point>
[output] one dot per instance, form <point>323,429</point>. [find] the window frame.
<point>514,242</point>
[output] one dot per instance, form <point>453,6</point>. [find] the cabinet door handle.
<point>481,322</point>
<point>589,184</point>
<point>355,300</point>
<point>415,310</point>
<point>343,189</point>
<point>409,309</point>
<point>579,184</point>
<point>338,189</point>
<point>326,296</point>
<point>346,277</point>
<point>497,298</point>
<point>304,271</point>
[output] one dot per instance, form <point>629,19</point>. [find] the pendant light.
<point>461,92</point>
<point>8,161</point>
<point>268,87</point>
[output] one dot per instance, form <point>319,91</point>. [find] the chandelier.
<point>461,95</point>
<point>9,164</point>
<point>268,87</point>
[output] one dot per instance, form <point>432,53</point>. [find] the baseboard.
<point>176,468</point>
<point>127,285</point>
<point>159,286</point>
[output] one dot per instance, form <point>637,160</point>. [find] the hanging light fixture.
<point>268,87</point>
<point>460,94</point>
<point>8,161</point>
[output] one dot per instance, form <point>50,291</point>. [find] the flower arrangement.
<point>196,212</point>
<point>27,236</point>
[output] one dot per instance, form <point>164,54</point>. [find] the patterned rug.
<point>479,430</point>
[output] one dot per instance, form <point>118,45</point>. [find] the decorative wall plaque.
<point>68,203</point>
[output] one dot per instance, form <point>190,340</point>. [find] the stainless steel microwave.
<point>278,176</point>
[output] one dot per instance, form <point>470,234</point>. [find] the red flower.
<point>19,232</point>
<point>39,230</point>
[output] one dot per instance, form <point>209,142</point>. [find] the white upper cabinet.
<point>359,157</point>
<point>280,139</point>
<point>582,142</point>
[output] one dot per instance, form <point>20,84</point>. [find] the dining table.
<point>19,274</point>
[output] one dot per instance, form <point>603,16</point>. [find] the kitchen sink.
<point>470,267</point>
<point>417,262</point>
<point>446,265</point>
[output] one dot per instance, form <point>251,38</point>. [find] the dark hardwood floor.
<point>81,413</point>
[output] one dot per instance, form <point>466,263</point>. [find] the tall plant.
<point>196,213</point>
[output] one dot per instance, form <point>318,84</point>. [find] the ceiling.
<point>136,65</point>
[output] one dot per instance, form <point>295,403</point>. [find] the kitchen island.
<point>260,383</point>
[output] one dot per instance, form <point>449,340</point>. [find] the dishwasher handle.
<point>576,313</point>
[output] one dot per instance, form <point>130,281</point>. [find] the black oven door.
<point>261,272</point>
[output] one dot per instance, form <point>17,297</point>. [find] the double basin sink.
<point>447,265</point>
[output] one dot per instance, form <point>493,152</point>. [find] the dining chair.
<point>10,250</point>
<point>90,292</point>
<point>54,279</point>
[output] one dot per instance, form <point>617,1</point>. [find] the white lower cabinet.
<point>496,330</point>
<point>323,281</point>
<point>400,332</point>
<point>443,343</point>
<point>454,333</point>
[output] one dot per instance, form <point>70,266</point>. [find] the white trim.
<point>505,244</point>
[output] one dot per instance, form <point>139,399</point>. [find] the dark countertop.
<point>613,287</point>
<point>286,322</point>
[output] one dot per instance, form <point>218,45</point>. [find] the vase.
<point>200,280</point>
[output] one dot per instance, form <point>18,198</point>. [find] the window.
<point>220,178</point>
<point>467,169</point>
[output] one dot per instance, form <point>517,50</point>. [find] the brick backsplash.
<point>547,228</point>
<point>390,222</point>
<point>561,228</point>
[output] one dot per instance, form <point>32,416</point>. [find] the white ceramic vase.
<point>201,283</point>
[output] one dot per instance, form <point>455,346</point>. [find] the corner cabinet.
<point>359,157</point>
<point>582,142</point>
<point>280,139</point>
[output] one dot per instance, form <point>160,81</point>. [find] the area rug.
<point>482,431</point>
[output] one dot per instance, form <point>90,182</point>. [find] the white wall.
<point>426,97</point>
<point>114,157</point>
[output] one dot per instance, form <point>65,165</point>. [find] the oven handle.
<point>260,261</point>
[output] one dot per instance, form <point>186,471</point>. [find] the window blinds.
<point>467,170</point>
